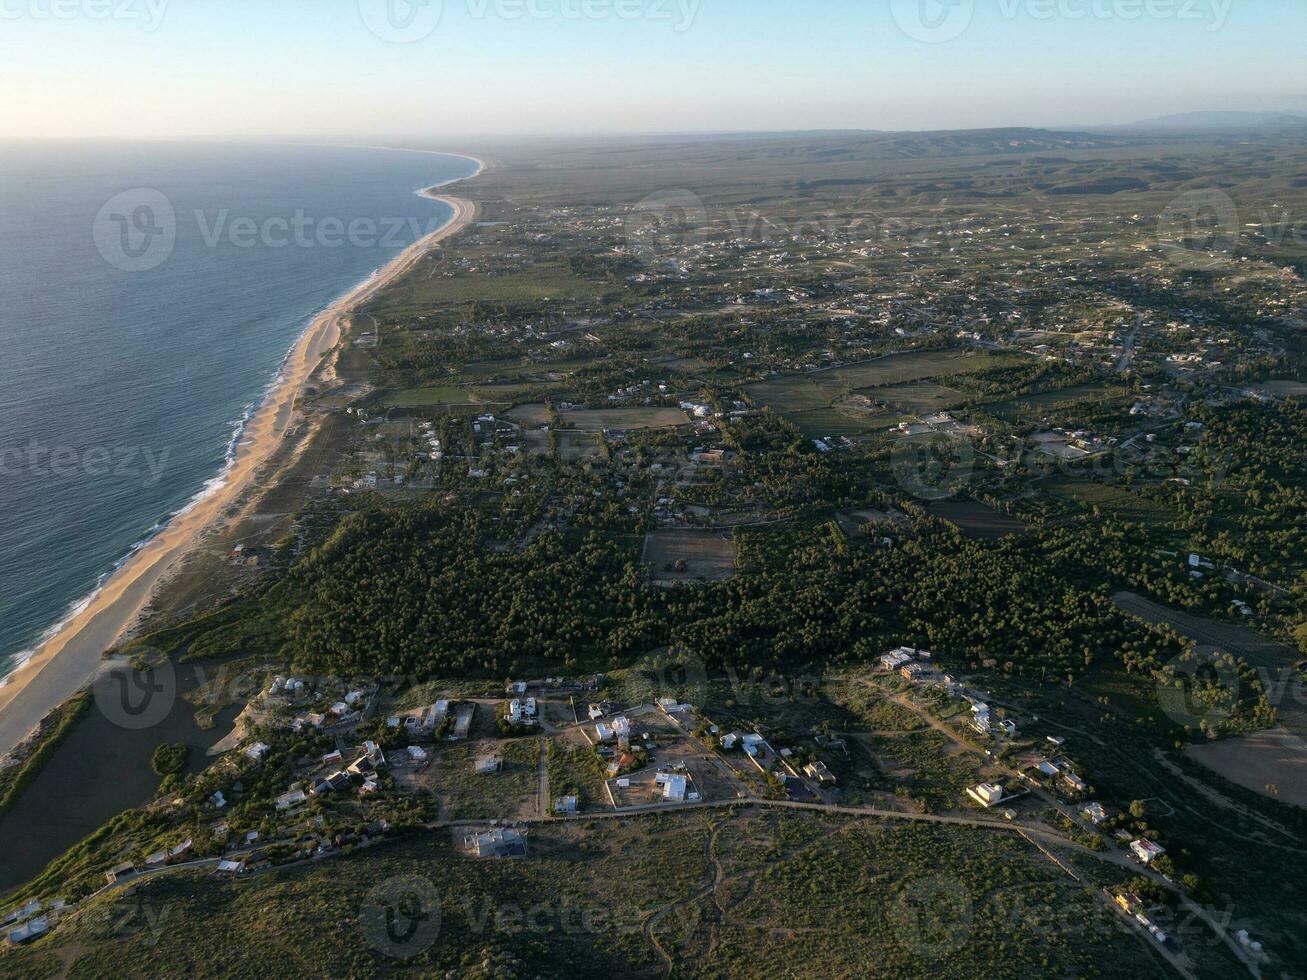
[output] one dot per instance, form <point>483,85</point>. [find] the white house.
<point>986,794</point>
<point>1094,813</point>
<point>896,658</point>
<point>294,798</point>
<point>819,771</point>
<point>671,706</point>
<point>258,750</point>
<point>1145,851</point>
<point>1074,783</point>
<point>673,786</point>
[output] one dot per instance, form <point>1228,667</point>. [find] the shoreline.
<point>69,658</point>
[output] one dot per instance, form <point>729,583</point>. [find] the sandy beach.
<point>69,660</point>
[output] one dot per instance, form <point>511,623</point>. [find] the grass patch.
<point>425,397</point>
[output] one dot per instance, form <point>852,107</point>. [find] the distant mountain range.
<point>1213,121</point>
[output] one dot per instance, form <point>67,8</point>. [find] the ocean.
<point>148,294</point>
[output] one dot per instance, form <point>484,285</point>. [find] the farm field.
<point>598,419</point>
<point>839,421</point>
<point>920,397</point>
<point>1117,501</point>
<point>817,402</point>
<point>540,282</point>
<point>976,519</point>
<point>1258,650</point>
<point>423,397</point>
<point>1272,762</point>
<point>531,414</point>
<point>1035,406</point>
<point>708,556</point>
<point>576,444</point>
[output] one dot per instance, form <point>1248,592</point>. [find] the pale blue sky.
<point>193,68</point>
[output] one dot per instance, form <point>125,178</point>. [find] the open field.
<point>531,414</point>
<point>976,519</point>
<point>1037,405</point>
<point>1117,501</point>
<point>1273,763</point>
<point>421,289</point>
<point>573,769</point>
<point>874,395</point>
<point>1286,389</point>
<point>928,766</point>
<point>920,397</point>
<point>470,795</point>
<point>708,556</point>
<point>1253,647</point>
<point>702,894</point>
<point>895,369</point>
<point>574,444</point>
<point>840,420</point>
<point>423,397</point>
<point>598,419</point>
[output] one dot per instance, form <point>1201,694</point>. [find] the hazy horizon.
<point>371,69</point>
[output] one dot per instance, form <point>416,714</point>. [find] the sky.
<point>162,69</point>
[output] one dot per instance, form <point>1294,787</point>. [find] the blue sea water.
<point>148,294</point>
